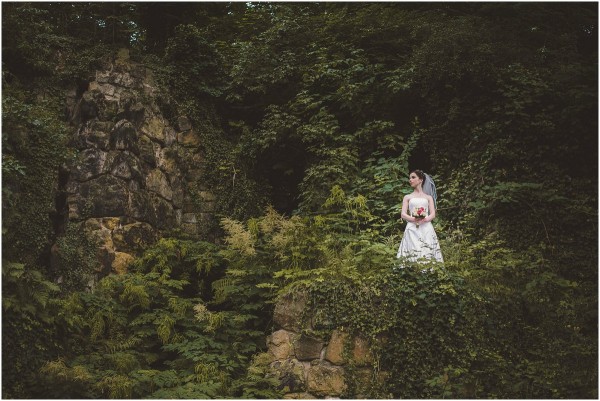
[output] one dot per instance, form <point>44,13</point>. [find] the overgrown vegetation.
<point>319,109</point>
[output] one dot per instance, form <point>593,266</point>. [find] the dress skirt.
<point>420,242</point>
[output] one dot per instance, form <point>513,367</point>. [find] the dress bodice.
<point>415,203</point>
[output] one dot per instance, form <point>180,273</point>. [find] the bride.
<point>418,209</point>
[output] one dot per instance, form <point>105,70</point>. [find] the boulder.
<point>291,375</point>
<point>121,262</point>
<point>86,109</point>
<point>289,311</point>
<point>107,105</point>
<point>92,134</point>
<point>106,196</point>
<point>154,128</point>
<point>134,237</point>
<point>184,123</point>
<point>326,380</point>
<point>188,138</point>
<point>126,166</point>
<point>367,379</point>
<point>299,396</point>
<point>361,352</point>
<point>335,348</point>
<point>165,160</point>
<point>280,344</point>
<point>124,137</point>
<point>163,212</point>
<point>307,348</point>
<point>90,163</point>
<point>147,151</point>
<point>157,182</point>
<point>111,222</point>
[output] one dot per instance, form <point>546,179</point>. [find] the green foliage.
<point>149,334</point>
<point>75,259</point>
<point>196,51</point>
<point>33,147</point>
<point>321,109</point>
<point>418,323</point>
<point>190,50</point>
<point>258,383</point>
<point>28,316</point>
<point>474,327</point>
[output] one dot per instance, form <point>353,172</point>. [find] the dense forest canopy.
<point>317,113</point>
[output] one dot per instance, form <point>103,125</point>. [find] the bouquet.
<point>419,213</point>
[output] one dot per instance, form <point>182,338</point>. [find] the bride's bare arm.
<point>431,210</point>
<point>405,214</point>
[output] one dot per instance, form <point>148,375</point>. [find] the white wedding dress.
<point>419,242</point>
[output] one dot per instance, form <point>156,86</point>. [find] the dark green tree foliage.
<point>150,334</point>
<point>33,141</point>
<point>506,101</point>
<point>321,109</point>
<point>29,311</point>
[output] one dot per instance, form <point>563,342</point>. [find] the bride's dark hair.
<point>419,174</point>
<point>427,185</point>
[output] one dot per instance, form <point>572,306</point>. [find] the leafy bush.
<point>29,312</point>
<point>149,333</point>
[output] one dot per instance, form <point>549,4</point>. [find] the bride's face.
<point>414,180</point>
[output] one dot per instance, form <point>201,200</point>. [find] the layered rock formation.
<point>307,366</point>
<point>135,175</point>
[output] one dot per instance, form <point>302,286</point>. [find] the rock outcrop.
<point>135,175</point>
<point>310,367</point>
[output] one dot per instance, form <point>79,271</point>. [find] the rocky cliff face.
<point>135,174</point>
<point>308,366</point>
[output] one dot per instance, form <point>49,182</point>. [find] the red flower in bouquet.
<point>419,213</point>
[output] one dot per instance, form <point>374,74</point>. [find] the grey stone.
<point>326,380</point>
<point>280,344</point>
<point>124,137</point>
<point>291,375</point>
<point>105,196</point>
<point>126,166</point>
<point>146,150</point>
<point>157,182</point>
<point>307,348</point>
<point>184,123</point>
<point>189,218</point>
<point>289,311</point>
<point>92,135</point>
<point>134,238</point>
<point>90,163</point>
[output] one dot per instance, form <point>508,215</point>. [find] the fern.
<point>98,326</point>
<point>135,295</point>
<point>164,327</point>
<point>113,346</point>
<point>116,386</point>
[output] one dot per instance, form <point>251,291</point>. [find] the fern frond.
<point>123,362</point>
<point>238,238</point>
<point>205,372</point>
<point>164,328</point>
<point>116,346</point>
<point>98,325</point>
<point>179,306</point>
<point>213,320</point>
<point>117,386</point>
<point>221,288</point>
<point>58,370</point>
<point>135,295</point>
